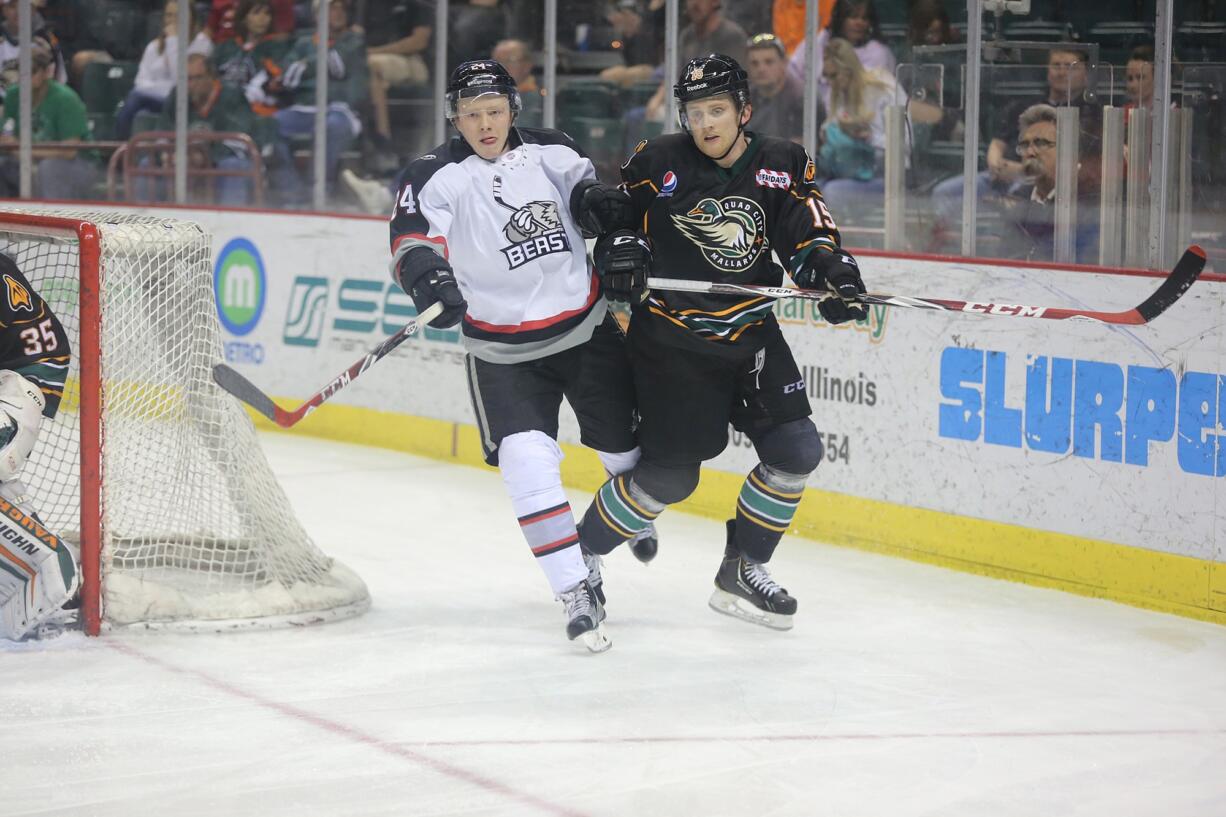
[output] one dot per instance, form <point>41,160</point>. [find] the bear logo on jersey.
<point>19,296</point>
<point>731,232</point>
<point>535,229</point>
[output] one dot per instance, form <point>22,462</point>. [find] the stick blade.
<point>1176,284</point>
<point>243,389</point>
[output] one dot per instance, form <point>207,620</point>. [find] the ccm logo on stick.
<point>1005,309</point>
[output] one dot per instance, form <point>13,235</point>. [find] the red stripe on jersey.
<point>541,323</point>
<point>438,240</point>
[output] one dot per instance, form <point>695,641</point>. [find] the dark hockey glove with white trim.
<point>623,262</point>
<point>838,273</point>
<point>427,278</point>
<point>599,209</point>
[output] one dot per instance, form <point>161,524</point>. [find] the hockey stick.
<point>1171,290</point>
<point>246,391</point>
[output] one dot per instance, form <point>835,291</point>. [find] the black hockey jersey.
<point>708,223</point>
<point>32,341</point>
<point>506,228</point>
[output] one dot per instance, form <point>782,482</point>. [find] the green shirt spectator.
<point>348,77</point>
<point>58,115</point>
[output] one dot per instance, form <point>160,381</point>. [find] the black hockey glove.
<point>427,278</point>
<point>623,262</point>
<point>838,273</point>
<point>599,209</point>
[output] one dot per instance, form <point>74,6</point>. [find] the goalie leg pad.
<point>37,572</point>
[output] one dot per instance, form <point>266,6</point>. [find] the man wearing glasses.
<point>1030,205</point>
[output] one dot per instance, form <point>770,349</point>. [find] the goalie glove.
<point>837,273</point>
<point>21,416</point>
<point>623,262</point>
<point>427,278</point>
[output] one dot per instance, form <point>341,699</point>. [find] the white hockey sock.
<point>619,463</point>
<point>530,464</point>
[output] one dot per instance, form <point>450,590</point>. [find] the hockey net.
<point>149,468</point>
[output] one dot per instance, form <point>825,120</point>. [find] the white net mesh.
<point>197,532</point>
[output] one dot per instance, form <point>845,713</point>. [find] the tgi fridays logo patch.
<point>774,178</point>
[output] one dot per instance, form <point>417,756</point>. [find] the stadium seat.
<point>586,99</point>
<point>1201,42</point>
<point>1039,30</point>
<point>1116,39</point>
<point>104,85</point>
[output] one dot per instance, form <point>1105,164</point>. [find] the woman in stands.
<point>254,48</point>
<point>159,67</point>
<point>852,155</point>
<point>856,22</point>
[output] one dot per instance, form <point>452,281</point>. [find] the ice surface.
<point>902,690</point>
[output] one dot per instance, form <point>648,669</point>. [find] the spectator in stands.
<point>348,85</point>
<point>852,155</point>
<point>226,15</point>
<point>1067,82</point>
<point>475,28</point>
<point>516,57</point>
<point>253,48</point>
<point>788,21</point>
<point>778,99</point>
<point>856,22</point>
<point>1029,207</point>
<point>707,33</point>
<point>9,46</point>
<point>219,108</point>
<point>750,15</point>
<point>1139,78</point>
<point>57,115</point>
<point>396,49</point>
<point>159,67</point>
<point>933,95</point>
<point>636,40</point>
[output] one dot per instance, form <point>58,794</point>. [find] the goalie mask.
<point>707,76</point>
<point>477,78</point>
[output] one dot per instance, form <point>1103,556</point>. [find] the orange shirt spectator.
<point>789,20</point>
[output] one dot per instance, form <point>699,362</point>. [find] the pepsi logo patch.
<point>774,178</point>
<point>670,183</point>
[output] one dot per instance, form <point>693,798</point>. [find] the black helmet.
<point>708,76</point>
<point>476,78</point>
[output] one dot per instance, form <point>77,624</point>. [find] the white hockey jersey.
<point>506,228</point>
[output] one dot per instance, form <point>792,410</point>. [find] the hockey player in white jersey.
<point>492,224</point>
<point>38,572</point>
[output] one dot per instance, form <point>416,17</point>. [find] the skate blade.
<point>596,640</point>
<point>737,607</point>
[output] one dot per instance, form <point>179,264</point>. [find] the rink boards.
<point>1060,453</point>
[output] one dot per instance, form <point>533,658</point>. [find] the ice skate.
<point>594,578</point>
<point>584,613</point>
<point>745,590</point>
<point>644,544</point>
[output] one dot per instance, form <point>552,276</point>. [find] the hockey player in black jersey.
<point>712,203</point>
<point>38,572</point>
<point>492,224</point>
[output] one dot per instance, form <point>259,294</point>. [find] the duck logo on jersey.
<point>669,185</point>
<point>731,232</point>
<point>534,230</point>
<point>19,296</point>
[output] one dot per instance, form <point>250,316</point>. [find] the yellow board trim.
<point>1182,585</point>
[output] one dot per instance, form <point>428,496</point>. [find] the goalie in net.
<point>38,572</point>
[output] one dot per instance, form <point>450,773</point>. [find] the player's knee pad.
<point>21,416</point>
<point>793,448</point>
<point>666,484</point>
<point>38,572</point>
<point>530,463</point>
